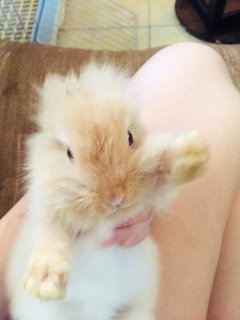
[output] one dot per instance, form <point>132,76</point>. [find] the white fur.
<point>102,281</point>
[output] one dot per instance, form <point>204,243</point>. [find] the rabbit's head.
<point>91,158</point>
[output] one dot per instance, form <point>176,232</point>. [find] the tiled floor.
<point>120,24</point>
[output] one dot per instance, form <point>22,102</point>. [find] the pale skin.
<point>181,88</point>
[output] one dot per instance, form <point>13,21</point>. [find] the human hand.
<point>131,231</point>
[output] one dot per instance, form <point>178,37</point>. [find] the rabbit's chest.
<point>112,275</point>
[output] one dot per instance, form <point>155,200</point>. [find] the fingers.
<point>130,232</point>
<point>132,237</point>
<point>142,217</point>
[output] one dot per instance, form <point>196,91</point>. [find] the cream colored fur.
<point>58,268</point>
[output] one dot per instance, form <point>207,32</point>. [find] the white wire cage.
<point>91,24</point>
<point>31,20</point>
<point>99,24</point>
<point>17,18</point>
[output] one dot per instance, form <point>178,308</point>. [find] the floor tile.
<point>123,38</point>
<point>143,38</point>
<point>114,38</point>
<point>139,9</point>
<point>81,14</point>
<point>121,24</point>
<point>117,38</point>
<point>163,16</point>
<point>165,35</point>
<point>114,15</point>
<point>163,13</point>
<point>85,39</point>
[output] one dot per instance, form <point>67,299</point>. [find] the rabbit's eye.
<point>130,138</point>
<point>69,154</point>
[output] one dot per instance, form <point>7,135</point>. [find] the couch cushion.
<point>24,64</point>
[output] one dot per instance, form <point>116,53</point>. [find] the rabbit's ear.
<point>53,90</point>
<point>54,96</point>
<point>53,81</point>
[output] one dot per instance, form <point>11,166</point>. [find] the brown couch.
<point>24,64</point>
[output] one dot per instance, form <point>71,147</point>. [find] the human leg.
<point>8,227</point>
<point>225,297</point>
<point>181,88</point>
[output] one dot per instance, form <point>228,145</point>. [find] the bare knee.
<point>193,49</point>
<point>187,86</point>
<point>191,57</point>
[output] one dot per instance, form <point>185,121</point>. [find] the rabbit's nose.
<point>117,201</point>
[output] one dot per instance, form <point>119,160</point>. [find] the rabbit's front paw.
<point>191,157</point>
<point>46,276</point>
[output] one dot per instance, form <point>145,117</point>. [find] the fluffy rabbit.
<point>90,165</point>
